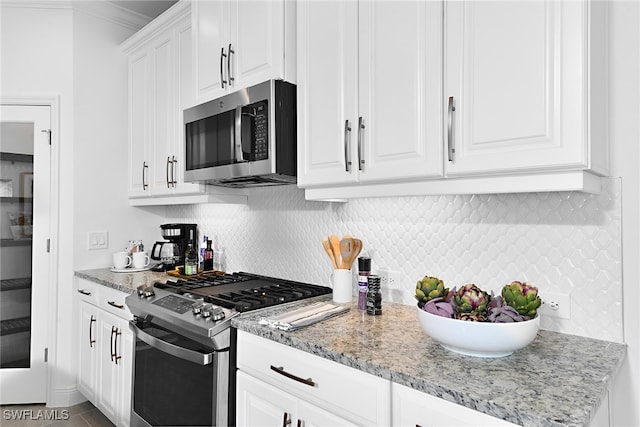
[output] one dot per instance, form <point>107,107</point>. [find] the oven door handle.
<point>174,350</point>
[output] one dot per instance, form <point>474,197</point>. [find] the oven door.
<point>176,380</point>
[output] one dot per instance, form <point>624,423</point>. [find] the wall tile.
<point>561,242</point>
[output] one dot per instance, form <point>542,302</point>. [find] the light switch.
<point>97,240</point>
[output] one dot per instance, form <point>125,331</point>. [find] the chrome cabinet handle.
<point>113,304</point>
<point>347,149</point>
<point>144,181</point>
<point>116,334</point>
<point>113,330</point>
<point>91,340</point>
<point>174,161</point>
<point>231,79</point>
<point>83,292</point>
<point>223,82</point>
<point>360,149</point>
<point>450,145</point>
<point>169,164</point>
<point>281,371</point>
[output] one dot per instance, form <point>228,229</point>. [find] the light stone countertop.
<point>558,380</point>
<point>125,282</point>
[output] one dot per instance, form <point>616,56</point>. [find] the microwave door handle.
<point>238,137</point>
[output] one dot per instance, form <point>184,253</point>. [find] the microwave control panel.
<point>258,115</point>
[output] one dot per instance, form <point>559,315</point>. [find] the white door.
<point>399,124</point>
<point>26,176</point>
<point>327,92</point>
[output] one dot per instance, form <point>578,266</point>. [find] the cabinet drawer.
<point>347,392</point>
<point>88,291</point>
<point>112,300</point>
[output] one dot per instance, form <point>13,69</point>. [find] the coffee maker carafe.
<point>171,252</point>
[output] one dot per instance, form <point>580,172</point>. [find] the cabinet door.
<point>515,72</point>
<point>139,123</point>
<point>111,335</point>
<point>124,348</point>
<point>258,403</point>
<point>257,40</point>
<point>400,63</point>
<point>211,31</point>
<point>164,110</point>
<point>312,416</point>
<point>88,351</point>
<point>327,92</point>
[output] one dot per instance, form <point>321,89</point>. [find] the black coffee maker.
<point>171,252</point>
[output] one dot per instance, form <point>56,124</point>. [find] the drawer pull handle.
<point>113,304</point>
<point>83,292</point>
<point>281,371</point>
<point>91,340</point>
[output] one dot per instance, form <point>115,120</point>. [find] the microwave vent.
<point>255,181</point>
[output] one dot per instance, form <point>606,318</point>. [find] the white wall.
<point>55,51</point>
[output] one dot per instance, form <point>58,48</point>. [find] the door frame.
<point>53,102</point>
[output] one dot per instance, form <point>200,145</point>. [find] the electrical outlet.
<point>555,304</point>
<point>389,278</point>
<point>97,240</point>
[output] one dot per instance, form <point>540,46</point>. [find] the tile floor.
<point>81,415</point>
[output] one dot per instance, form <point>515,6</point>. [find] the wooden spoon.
<point>349,249</point>
<point>335,247</point>
<point>327,247</point>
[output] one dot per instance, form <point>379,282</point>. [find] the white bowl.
<point>480,339</point>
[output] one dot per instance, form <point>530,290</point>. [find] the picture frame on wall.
<point>26,184</point>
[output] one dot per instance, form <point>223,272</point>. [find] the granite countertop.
<point>558,380</point>
<point>125,282</point>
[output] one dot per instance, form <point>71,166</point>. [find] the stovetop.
<point>204,306</point>
<point>243,291</point>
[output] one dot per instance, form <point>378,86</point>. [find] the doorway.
<point>25,225</point>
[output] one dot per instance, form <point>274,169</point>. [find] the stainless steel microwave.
<point>244,139</point>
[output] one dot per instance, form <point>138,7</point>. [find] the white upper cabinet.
<point>517,75</point>
<point>369,91</point>
<point>453,97</point>
<point>240,43</point>
<point>160,88</point>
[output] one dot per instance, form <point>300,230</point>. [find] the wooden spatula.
<point>335,247</point>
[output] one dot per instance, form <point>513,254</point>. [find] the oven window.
<point>210,141</point>
<point>168,390</point>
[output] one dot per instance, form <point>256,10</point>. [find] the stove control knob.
<point>141,289</point>
<point>217,313</point>
<point>149,292</point>
<point>206,311</point>
<point>196,308</point>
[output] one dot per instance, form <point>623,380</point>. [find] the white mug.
<point>341,282</point>
<point>121,260</point>
<point>140,259</point>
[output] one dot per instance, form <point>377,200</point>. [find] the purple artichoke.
<point>471,299</point>
<point>504,314</point>
<point>440,307</point>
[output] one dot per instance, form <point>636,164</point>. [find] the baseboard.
<point>65,398</point>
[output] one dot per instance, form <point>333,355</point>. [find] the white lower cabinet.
<point>106,351</point>
<point>279,385</point>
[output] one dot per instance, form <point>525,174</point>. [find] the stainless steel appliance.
<point>171,252</point>
<point>244,139</point>
<point>184,354</point>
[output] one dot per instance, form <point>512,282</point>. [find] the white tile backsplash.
<point>560,242</point>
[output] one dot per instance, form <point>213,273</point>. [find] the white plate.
<point>130,270</point>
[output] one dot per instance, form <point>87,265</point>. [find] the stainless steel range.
<point>182,359</point>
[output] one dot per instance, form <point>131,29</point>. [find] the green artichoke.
<point>523,297</point>
<point>471,299</point>
<point>429,288</point>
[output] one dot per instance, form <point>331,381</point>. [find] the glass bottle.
<point>208,257</point>
<point>374,297</point>
<point>190,261</point>
<point>364,269</point>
